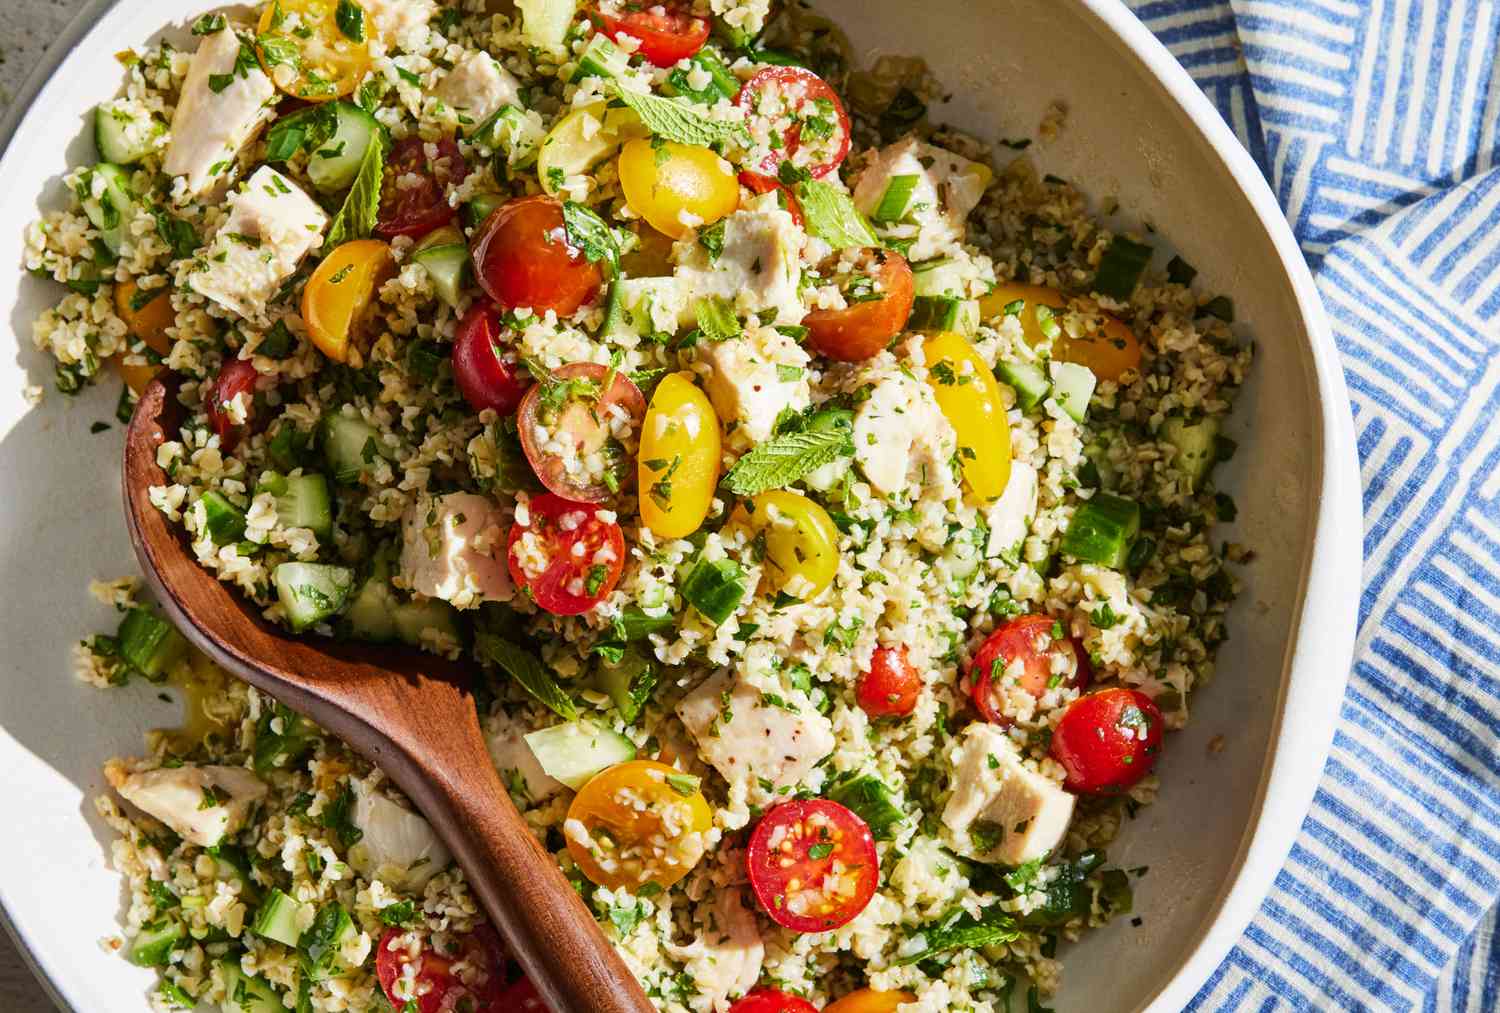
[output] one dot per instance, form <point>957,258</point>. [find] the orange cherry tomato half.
<point>564,555</point>
<point>808,116</point>
<point>891,687</point>
<point>812,865</point>
<point>1047,660</point>
<point>148,316</point>
<point>864,329</point>
<point>427,982</point>
<point>484,378</point>
<point>770,1000</point>
<point>665,33</point>
<point>236,377</point>
<point>522,258</point>
<point>414,196</point>
<point>569,436</point>
<point>870,1000</point>
<point>1107,741</point>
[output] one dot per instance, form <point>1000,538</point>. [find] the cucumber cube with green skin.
<point>574,752</point>
<point>149,643</point>
<point>153,945</point>
<point>628,681</point>
<point>335,163</point>
<point>444,255</point>
<point>414,618</point>
<point>123,138</point>
<point>1072,388</point>
<point>311,593</point>
<point>302,501</point>
<point>278,919</point>
<point>245,993</point>
<point>1196,445</point>
<point>351,446</point>
<point>223,521</point>
<point>112,209</point>
<point>602,58</point>
<point>1102,530</point>
<point>1027,380</point>
<point>480,207</point>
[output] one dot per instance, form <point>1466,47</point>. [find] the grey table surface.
<point>25,30</point>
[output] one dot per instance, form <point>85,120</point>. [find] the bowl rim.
<point>1332,554</point>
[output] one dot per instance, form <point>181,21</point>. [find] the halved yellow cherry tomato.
<point>638,822</point>
<point>678,464</point>
<point>677,188</point>
<point>869,1000</point>
<point>148,321</point>
<point>137,378</point>
<point>305,52</point>
<point>970,400</point>
<point>801,541</point>
<point>340,291</point>
<point>1108,353</point>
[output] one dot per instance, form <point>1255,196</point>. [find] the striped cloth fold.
<point>1377,123</point>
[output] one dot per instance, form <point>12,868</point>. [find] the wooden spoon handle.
<point>520,885</point>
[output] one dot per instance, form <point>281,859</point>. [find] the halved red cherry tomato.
<point>812,865</point>
<point>665,33</point>
<point>1107,741</point>
<point>521,997</point>
<point>864,329</point>
<point>770,1000</point>
<point>804,113</point>
<point>236,376</point>
<point>522,258</point>
<point>756,183</point>
<point>414,198</point>
<point>1047,659</point>
<point>426,981</point>
<point>565,555</point>
<point>484,378</point>
<point>891,687</point>
<point>570,434</point>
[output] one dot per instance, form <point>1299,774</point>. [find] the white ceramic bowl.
<point>1138,129</point>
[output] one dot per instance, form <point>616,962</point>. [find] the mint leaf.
<point>587,232</point>
<point>716,319</point>
<point>524,667</point>
<point>830,215</point>
<point>350,17</point>
<point>356,219</point>
<point>676,120</point>
<point>784,459</point>
<point>965,932</point>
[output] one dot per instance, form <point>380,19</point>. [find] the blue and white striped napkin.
<point>1377,123</point>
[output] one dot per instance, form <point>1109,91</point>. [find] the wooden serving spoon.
<point>407,712</point>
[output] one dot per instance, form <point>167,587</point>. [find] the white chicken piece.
<point>453,548</point>
<point>211,125</point>
<point>271,226</point>
<point>397,846</point>
<point>921,192</point>
<point>900,433</point>
<point>746,737</point>
<point>203,805</point>
<point>753,377</point>
<point>724,962</point>
<point>520,771</point>
<point>393,20</point>
<point>477,87</point>
<point>1001,810</point>
<point>1009,517</point>
<point>758,266</point>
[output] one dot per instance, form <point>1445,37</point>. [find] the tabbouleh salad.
<point>825,495</point>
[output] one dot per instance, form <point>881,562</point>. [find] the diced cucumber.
<point>311,593</point>
<point>113,208</point>
<point>150,643</point>
<point>715,588</point>
<point>444,255</point>
<point>1102,530</point>
<point>581,140</point>
<point>153,945</point>
<point>545,23</point>
<point>350,446</point>
<point>648,308</point>
<point>223,521</point>
<point>869,799</point>
<point>574,752</point>
<point>932,313</point>
<point>371,615</point>
<point>123,139</point>
<point>1196,446</point>
<point>244,993</point>
<point>480,207</point>
<point>722,82</point>
<point>896,199</point>
<point>628,681</point>
<point>1072,388</point>
<point>1027,380</point>
<point>601,58</point>
<point>1121,267</point>
<point>413,617</point>
<point>302,501</point>
<point>939,277</point>
<point>333,166</point>
<point>1098,456</point>
<point>278,919</point>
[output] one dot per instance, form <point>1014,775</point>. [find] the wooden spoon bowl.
<point>407,712</point>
